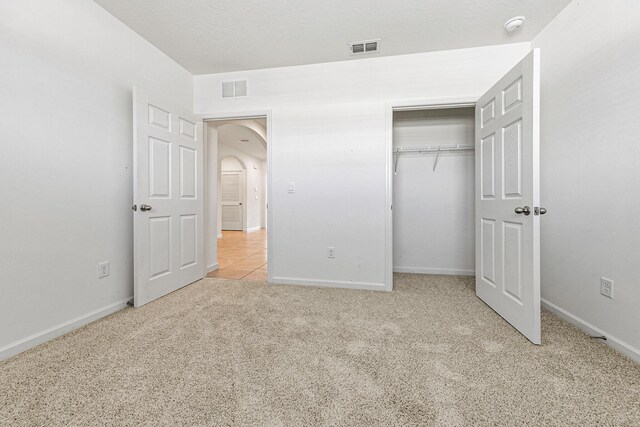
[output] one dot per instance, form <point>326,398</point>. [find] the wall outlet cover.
<point>103,269</point>
<point>331,252</point>
<point>606,287</point>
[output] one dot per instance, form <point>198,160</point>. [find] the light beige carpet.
<point>225,352</point>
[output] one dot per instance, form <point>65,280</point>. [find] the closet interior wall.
<point>433,210</point>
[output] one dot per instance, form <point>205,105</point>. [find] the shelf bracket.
<point>435,162</point>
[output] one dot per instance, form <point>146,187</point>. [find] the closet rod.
<point>429,149</point>
<point>433,148</point>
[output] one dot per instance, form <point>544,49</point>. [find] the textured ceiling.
<point>212,36</point>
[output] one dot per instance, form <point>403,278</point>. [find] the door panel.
<point>188,240</point>
<point>487,151</point>
<point>159,170</point>
<point>512,167</point>
<point>168,168</point>
<point>488,233</point>
<point>507,177</point>
<point>159,244</point>
<point>188,173</point>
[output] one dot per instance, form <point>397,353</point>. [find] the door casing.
<point>267,114</point>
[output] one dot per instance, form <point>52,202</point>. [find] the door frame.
<point>242,115</point>
<point>408,105</point>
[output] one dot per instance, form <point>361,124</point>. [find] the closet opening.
<point>433,185</point>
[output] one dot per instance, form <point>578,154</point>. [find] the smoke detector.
<point>514,24</point>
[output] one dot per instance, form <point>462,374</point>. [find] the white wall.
<point>434,211</point>
<point>67,68</point>
<point>590,155</point>
<point>328,136</point>
<point>230,164</point>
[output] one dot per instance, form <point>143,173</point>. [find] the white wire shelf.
<point>419,149</point>
<point>433,148</point>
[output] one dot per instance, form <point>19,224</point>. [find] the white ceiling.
<point>232,135</point>
<point>213,36</point>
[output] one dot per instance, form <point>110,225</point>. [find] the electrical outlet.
<point>103,269</point>
<point>606,287</point>
<point>331,252</point>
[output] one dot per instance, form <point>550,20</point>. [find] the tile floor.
<point>242,255</point>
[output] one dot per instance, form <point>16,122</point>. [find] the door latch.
<point>134,208</point>
<point>539,211</point>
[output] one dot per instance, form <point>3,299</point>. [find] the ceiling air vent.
<point>234,89</point>
<point>367,46</point>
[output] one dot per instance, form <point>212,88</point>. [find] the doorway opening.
<point>237,173</point>
<point>434,191</point>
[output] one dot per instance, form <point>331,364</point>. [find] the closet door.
<point>508,197</point>
<point>232,213</point>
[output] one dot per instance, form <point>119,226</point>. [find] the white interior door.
<point>231,200</point>
<point>508,196</point>
<point>168,195</point>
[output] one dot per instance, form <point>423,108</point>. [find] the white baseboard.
<point>61,329</point>
<point>253,229</point>
<point>212,267</point>
<point>592,330</point>
<point>446,271</point>
<point>369,286</point>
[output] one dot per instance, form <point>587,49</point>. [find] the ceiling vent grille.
<point>235,89</point>
<point>362,47</point>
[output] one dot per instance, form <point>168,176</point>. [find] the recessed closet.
<point>433,191</point>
